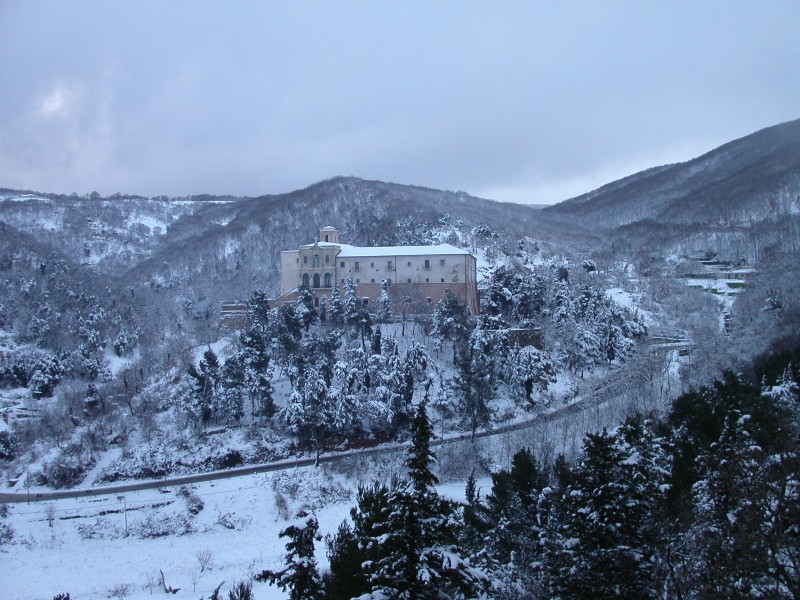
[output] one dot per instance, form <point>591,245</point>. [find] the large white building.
<point>417,276</point>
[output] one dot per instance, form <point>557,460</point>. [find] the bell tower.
<point>329,234</point>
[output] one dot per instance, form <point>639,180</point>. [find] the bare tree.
<point>204,559</point>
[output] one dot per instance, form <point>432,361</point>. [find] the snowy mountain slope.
<point>740,201</point>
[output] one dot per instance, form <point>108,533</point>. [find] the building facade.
<point>417,276</point>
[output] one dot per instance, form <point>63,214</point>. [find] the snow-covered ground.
<point>86,552</point>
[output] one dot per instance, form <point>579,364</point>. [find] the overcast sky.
<point>529,102</point>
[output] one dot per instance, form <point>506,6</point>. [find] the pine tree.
<point>335,309</point>
<point>451,321</point>
<point>304,307</point>
<point>206,384</point>
<point>300,576</point>
<point>420,557</point>
<point>230,401</point>
<point>258,371</point>
<point>603,543</point>
<point>476,381</point>
<point>351,311</point>
<point>309,410</point>
<point>258,309</point>
<point>323,309</point>
<point>532,370</point>
<point>384,303</point>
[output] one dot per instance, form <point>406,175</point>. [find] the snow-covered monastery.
<point>417,276</point>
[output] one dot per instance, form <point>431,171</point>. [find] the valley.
<point>117,379</point>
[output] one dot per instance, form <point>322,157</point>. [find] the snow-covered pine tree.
<point>230,399</point>
<point>351,310</point>
<point>335,308</point>
<point>384,303</point>
<point>258,372</point>
<point>300,575</point>
<point>304,307</point>
<point>476,382</point>
<point>532,371</point>
<point>421,558</point>
<point>206,384</point>
<point>451,321</point>
<point>603,542</point>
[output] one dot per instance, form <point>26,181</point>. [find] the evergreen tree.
<point>532,370</point>
<point>305,309</point>
<point>603,543</point>
<point>258,309</point>
<point>451,321</point>
<point>335,311</point>
<point>421,558</point>
<point>230,400</point>
<point>258,372</point>
<point>308,412</point>
<point>384,303</point>
<point>206,384</point>
<point>300,576</point>
<point>376,342</point>
<point>476,382</point>
<point>352,309</point>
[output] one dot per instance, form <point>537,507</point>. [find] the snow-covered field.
<point>81,547</point>
<point>86,552</point>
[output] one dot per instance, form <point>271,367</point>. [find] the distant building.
<point>417,276</point>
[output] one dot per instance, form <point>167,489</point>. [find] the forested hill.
<point>744,181</point>
<point>737,200</point>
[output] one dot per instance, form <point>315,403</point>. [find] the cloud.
<point>517,101</point>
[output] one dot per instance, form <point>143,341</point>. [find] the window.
<point>441,262</point>
<point>327,280</point>
<point>388,283</point>
<point>427,264</point>
<point>327,260</point>
<point>297,260</point>
<point>326,237</point>
<point>427,280</point>
<point>429,299</point>
<point>305,260</point>
<point>389,266</point>
<point>442,279</point>
<point>315,262</point>
<point>409,263</point>
<point>341,264</point>
<point>355,268</point>
<point>305,279</point>
<point>409,280</point>
<point>358,281</point>
<point>365,301</point>
<point>316,301</point>
<point>316,280</point>
<point>372,281</point>
<point>371,264</point>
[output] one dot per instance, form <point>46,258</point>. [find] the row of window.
<point>315,263</point>
<point>390,264</point>
<point>314,281</point>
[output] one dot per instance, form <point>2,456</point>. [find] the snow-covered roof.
<point>348,251</point>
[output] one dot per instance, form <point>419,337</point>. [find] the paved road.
<point>6,498</point>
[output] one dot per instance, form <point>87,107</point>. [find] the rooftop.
<point>348,251</point>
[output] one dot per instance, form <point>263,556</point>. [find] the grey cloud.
<point>520,101</point>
